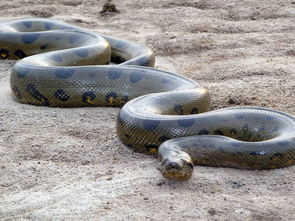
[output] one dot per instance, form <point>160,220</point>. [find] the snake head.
<point>176,169</point>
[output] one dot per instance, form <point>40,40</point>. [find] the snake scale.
<point>65,66</point>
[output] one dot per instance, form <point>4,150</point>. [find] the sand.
<point>68,164</point>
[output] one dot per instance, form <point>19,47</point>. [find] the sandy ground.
<point>68,164</point>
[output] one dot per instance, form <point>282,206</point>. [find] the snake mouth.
<point>176,169</point>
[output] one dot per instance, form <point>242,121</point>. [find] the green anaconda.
<point>65,66</point>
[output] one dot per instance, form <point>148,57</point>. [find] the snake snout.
<point>176,169</point>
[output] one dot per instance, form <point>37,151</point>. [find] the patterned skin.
<point>165,113</point>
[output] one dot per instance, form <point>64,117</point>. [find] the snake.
<point>162,113</point>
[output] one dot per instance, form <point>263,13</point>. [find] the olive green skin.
<point>164,113</point>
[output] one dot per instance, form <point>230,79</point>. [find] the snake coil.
<point>165,113</point>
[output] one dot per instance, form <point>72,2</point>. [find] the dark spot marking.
<point>74,38</point>
<point>150,125</point>
<point>233,131</point>
<point>28,24</point>
<point>186,122</point>
<point>127,136</point>
<point>114,73</point>
<point>29,38</point>
<point>63,73</point>
<point>124,99</point>
<point>48,25</point>
<point>88,97</point>
<point>61,95</point>
<point>43,47</point>
<point>136,76</point>
<point>178,109</point>
<point>218,132</point>
<point>195,111</point>
<point>203,132</point>
<point>20,54</point>
<point>111,97</point>
<point>37,95</point>
<point>4,54</point>
<point>83,53</point>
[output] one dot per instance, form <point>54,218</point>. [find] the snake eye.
<point>187,163</point>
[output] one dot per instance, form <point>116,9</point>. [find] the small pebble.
<point>212,211</point>
<point>109,8</point>
<point>85,162</point>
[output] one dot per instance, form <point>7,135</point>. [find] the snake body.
<point>65,66</point>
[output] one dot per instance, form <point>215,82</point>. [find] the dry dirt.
<point>68,164</point>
